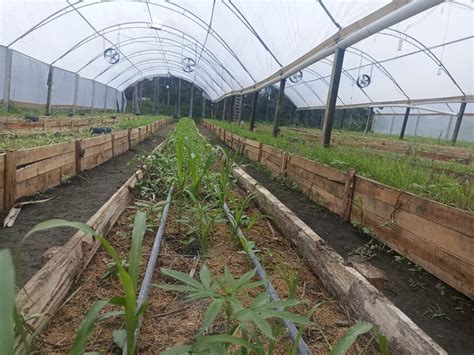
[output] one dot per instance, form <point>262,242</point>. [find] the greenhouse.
<point>237,176</point>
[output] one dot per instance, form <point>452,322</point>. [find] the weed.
<point>435,312</point>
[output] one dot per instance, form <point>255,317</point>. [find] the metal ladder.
<point>237,108</point>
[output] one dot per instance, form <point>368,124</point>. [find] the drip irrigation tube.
<point>143,295</point>
<point>303,349</point>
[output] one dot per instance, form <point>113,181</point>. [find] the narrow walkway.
<point>76,200</point>
<point>442,312</point>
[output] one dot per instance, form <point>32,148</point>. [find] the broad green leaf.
<point>111,314</point>
<point>120,337</point>
<point>180,288</point>
<point>7,302</point>
<point>261,324</point>
<point>138,232</point>
<point>86,327</point>
<point>211,313</point>
<point>246,278</point>
<point>222,338</point>
<point>205,276</point>
<point>181,276</point>
<point>383,344</point>
<point>178,350</point>
<point>260,300</point>
<point>350,337</point>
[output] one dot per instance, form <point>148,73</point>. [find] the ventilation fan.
<point>189,65</point>
<point>296,77</point>
<point>363,81</point>
<point>111,55</point>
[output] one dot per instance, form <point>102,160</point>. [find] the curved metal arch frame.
<point>177,65</point>
<point>133,41</point>
<point>71,7</point>
<point>174,68</point>
<point>166,76</point>
<point>144,61</point>
<point>129,79</point>
<point>116,27</point>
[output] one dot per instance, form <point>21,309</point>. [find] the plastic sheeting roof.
<point>238,43</point>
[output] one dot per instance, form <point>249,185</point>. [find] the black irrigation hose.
<point>302,347</point>
<point>143,295</point>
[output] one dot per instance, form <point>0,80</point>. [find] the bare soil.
<point>75,200</point>
<point>170,320</point>
<point>443,313</point>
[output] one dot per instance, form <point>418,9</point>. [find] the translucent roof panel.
<point>236,45</point>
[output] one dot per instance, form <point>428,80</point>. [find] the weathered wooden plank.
<point>26,156</point>
<point>443,264</point>
<point>96,159</point>
<point>92,142</point>
<point>97,149</point>
<point>43,166</point>
<point>10,179</point>
<point>345,282</point>
<point>454,218</point>
<point>400,221</point>
<point>348,195</point>
<point>318,169</point>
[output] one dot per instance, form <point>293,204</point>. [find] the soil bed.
<point>76,200</point>
<point>439,310</point>
<point>169,320</point>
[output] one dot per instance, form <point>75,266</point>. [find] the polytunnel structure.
<point>290,176</point>
<point>236,47</point>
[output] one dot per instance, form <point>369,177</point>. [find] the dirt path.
<point>442,312</point>
<point>76,200</point>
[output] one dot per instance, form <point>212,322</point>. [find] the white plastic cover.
<point>237,43</point>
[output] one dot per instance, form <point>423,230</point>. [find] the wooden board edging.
<point>46,290</point>
<point>346,283</point>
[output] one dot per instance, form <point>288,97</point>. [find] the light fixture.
<point>156,25</point>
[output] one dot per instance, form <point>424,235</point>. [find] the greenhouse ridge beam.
<point>381,19</point>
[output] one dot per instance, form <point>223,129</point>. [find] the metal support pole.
<point>417,124</point>
<point>405,121</point>
<point>168,100</point>
<point>457,126</point>
<point>8,78</point>
<point>279,108</point>
<point>342,120</point>
<point>367,123</point>
<point>254,110</point>
<point>332,96</point>
<point>76,93</point>
<point>203,111</point>
<point>50,91</point>
<point>191,101</point>
<point>156,96</point>
<point>178,109</point>
<point>105,99</point>
<point>391,124</point>
<point>224,110</point>
<point>93,94</point>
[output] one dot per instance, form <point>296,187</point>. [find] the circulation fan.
<point>111,55</point>
<point>363,81</point>
<point>189,65</point>
<point>296,77</point>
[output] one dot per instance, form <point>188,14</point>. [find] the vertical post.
<point>367,123</point>
<point>279,108</point>
<point>178,112</point>
<point>191,101</point>
<point>348,195</point>
<point>156,96</point>
<point>203,111</point>
<point>168,100</point>
<point>112,138</point>
<point>239,117</point>
<point>224,109</point>
<point>342,120</point>
<point>457,126</point>
<point>10,179</point>
<point>129,138</point>
<point>391,124</point>
<point>405,121</point>
<point>78,155</point>
<point>105,99</point>
<point>50,91</point>
<point>418,123</point>
<point>332,96</point>
<point>230,110</point>
<point>93,94</point>
<point>254,110</point>
<point>76,93</point>
<point>8,78</point>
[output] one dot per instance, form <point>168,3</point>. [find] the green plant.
<point>290,276</point>
<point>128,280</point>
<point>246,326</point>
<point>353,332</point>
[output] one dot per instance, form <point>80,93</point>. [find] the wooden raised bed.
<point>29,171</point>
<point>435,236</point>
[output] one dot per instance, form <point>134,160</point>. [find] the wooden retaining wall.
<point>435,236</point>
<point>56,125</point>
<point>29,171</point>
